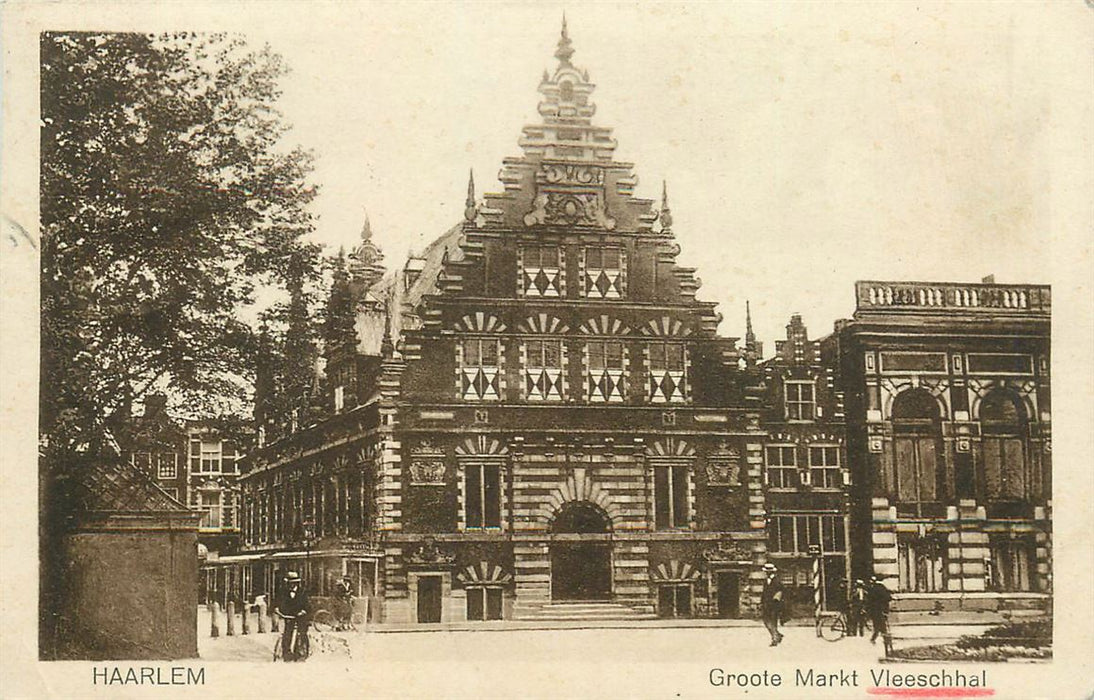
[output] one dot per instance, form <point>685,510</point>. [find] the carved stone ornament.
<point>429,555</point>
<point>724,467</point>
<point>423,472</point>
<point>571,174</point>
<point>728,553</point>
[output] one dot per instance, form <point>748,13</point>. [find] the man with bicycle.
<point>292,607</point>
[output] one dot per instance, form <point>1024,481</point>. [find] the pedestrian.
<point>292,606</point>
<point>771,603</point>
<point>878,599</point>
<point>856,616</point>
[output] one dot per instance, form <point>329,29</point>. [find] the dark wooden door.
<point>429,599</point>
<point>729,594</point>
<point>581,571</point>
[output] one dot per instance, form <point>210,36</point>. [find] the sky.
<point>803,148</point>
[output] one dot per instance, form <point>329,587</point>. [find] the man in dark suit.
<point>292,606</point>
<point>772,602</point>
<point>878,598</point>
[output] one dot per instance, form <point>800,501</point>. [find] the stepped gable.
<point>567,175</point>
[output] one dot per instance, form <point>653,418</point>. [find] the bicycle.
<point>835,627</point>
<point>301,644</point>
<point>324,625</point>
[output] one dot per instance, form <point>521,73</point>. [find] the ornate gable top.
<point>567,175</point>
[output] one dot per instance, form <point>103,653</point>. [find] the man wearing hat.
<point>771,602</point>
<point>292,606</point>
<point>878,598</point>
<point>856,617</point>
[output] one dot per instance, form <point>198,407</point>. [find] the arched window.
<point>1002,422</point>
<point>916,433</point>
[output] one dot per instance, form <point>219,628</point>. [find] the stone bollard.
<point>214,615</point>
<point>230,616</point>
<point>261,616</point>
<point>246,609</point>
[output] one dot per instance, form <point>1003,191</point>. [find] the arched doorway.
<point>581,557</point>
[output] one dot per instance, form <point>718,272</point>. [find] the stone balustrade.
<point>873,295</point>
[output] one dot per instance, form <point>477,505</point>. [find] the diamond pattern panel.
<point>666,387</point>
<point>604,284</point>
<point>480,384</point>
<point>543,384</point>
<point>542,282</point>
<point>606,386</point>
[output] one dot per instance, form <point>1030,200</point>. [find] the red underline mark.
<point>933,692</point>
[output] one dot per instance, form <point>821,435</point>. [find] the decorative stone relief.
<point>723,466</point>
<point>427,464</point>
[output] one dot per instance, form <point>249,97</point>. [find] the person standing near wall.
<point>771,603</point>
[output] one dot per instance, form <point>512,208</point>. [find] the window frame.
<point>537,362</point>
<point>826,475</point>
<point>173,471</point>
<point>672,496</point>
<point>559,269</point>
<point>654,374</point>
<point>464,365</point>
<point>477,496</point>
<point>786,472</point>
<point>588,285</point>
<point>794,405</point>
<point>592,374</point>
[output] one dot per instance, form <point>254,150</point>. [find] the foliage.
<point>166,197</point>
<point>1028,639</point>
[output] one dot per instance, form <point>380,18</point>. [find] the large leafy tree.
<point>167,198</point>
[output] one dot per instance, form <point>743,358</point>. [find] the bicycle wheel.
<point>323,621</point>
<point>832,629</point>
<point>303,647</point>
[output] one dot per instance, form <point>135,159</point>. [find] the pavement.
<point>575,642</point>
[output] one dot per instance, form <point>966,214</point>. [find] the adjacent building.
<point>949,436</point>
<point>806,476</point>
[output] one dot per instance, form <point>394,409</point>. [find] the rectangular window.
<point>168,466</point>
<point>480,369</point>
<point>666,378</point>
<point>484,603</point>
<point>793,534</point>
<point>605,376</point>
<point>541,271</point>
<point>209,503</point>
<point>543,372</point>
<point>604,276</point>
<point>921,565</point>
<point>916,471</point>
<point>670,491</point>
<point>782,467</point>
<point>1004,468</point>
<point>142,461</point>
<point>800,401</point>
<point>482,496</point>
<point>1010,565</point>
<point>824,466</point>
<point>674,600</point>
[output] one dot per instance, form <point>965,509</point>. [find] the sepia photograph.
<point>548,350</point>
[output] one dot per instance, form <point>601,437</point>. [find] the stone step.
<point>592,611</point>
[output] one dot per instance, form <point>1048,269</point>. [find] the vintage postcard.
<point>360,349</point>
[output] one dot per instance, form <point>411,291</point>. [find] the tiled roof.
<point>121,488</point>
